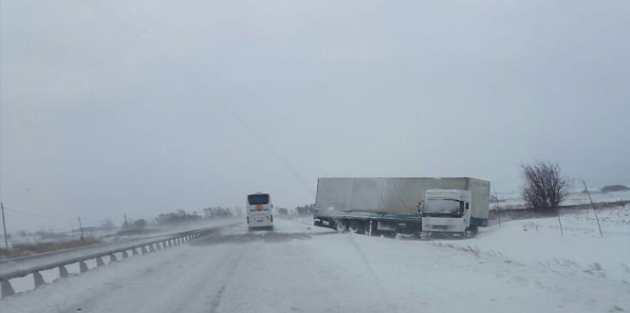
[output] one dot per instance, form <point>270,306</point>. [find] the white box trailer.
<point>394,205</point>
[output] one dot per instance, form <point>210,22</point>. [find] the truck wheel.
<point>474,230</point>
<point>318,223</point>
<point>471,232</point>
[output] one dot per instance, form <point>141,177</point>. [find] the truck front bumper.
<point>443,225</point>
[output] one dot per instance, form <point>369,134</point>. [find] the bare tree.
<point>108,225</point>
<point>545,186</point>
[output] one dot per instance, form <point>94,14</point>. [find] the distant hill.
<point>613,188</point>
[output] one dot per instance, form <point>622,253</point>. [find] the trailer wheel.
<point>341,226</point>
<point>355,227</point>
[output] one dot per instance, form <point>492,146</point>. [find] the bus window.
<point>258,199</point>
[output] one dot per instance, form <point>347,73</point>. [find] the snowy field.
<point>539,243</point>
<point>524,266</point>
<point>515,201</point>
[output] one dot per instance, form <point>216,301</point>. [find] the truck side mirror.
<point>467,205</point>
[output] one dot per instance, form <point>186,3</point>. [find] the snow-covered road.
<point>301,268</point>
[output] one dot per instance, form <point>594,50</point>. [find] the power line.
<point>189,74</point>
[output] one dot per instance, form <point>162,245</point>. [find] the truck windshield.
<point>441,206</point>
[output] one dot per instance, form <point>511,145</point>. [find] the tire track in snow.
<point>216,299</point>
<point>373,274</point>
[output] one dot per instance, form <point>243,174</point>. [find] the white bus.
<point>259,211</point>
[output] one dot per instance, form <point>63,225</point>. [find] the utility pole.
<point>593,206</point>
<point>81,227</point>
<point>4,226</point>
<point>126,220</point>
<point>496,197</point>
<point>559,222</point>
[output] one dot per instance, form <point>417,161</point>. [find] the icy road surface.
<point>301,268</point>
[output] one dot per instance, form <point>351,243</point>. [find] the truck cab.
<point>447,212</point>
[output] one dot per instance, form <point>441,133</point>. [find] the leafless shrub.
<point>545,186</point>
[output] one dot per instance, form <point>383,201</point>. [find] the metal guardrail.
<point>33,265</point>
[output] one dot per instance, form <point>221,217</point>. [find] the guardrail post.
<point>6,289</point>
<point>63,272</point>
<point>113,258</point>
<point>99,261</point>
<point>151,248</point>
<point>124,254</point>
<point>38,279</point>
<point>160,245</point>
<point>134,251</point>
<point>144,250</point>
<point>83,267</point>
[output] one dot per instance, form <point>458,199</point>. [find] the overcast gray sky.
<point>147,106</point>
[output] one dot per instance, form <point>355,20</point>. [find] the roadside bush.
<point>545,186</point>
<point>177,218</point>
<point>306,209</point>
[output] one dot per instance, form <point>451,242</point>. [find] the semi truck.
<point>420,206</point>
